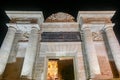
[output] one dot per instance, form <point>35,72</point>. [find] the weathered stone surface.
<point>97,20</point>
<point>105,68</point>
<point>39,68</point>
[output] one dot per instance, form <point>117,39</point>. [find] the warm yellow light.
<point>52,73</point>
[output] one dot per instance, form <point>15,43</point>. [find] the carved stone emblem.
<point>97,36</point>
<point>24,37</point>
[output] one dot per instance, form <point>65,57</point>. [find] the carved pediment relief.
<point>23,20</point>
<point>96,20</point>
<point>60,17</point>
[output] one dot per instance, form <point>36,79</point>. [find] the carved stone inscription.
<point>60,36</point>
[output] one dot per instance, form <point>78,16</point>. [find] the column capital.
<point>85,26</point>
<point>108,26</point>
<point>23,27</point>
<point>12,26</point>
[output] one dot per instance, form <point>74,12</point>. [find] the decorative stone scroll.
<point>97,36</point>
<point>60,17</point>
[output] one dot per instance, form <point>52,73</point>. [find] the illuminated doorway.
<point>60,69</point>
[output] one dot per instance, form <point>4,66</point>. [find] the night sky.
<point>51,6</point>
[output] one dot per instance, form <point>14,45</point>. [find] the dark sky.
<point>51,6</point>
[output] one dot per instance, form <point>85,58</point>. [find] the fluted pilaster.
<point>91,52</point>
<point>113,44</point>
<point>30,54</point>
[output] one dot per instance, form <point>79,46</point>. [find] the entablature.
<point>25,16</point>
<point>95,17</point>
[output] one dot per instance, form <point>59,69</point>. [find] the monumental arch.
<point>60,47</point>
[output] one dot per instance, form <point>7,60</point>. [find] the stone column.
<point>6,48</point>
<point>113,44</point>
<point>30,54</point>
<point>91,52</point>
<point>14,49</point>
